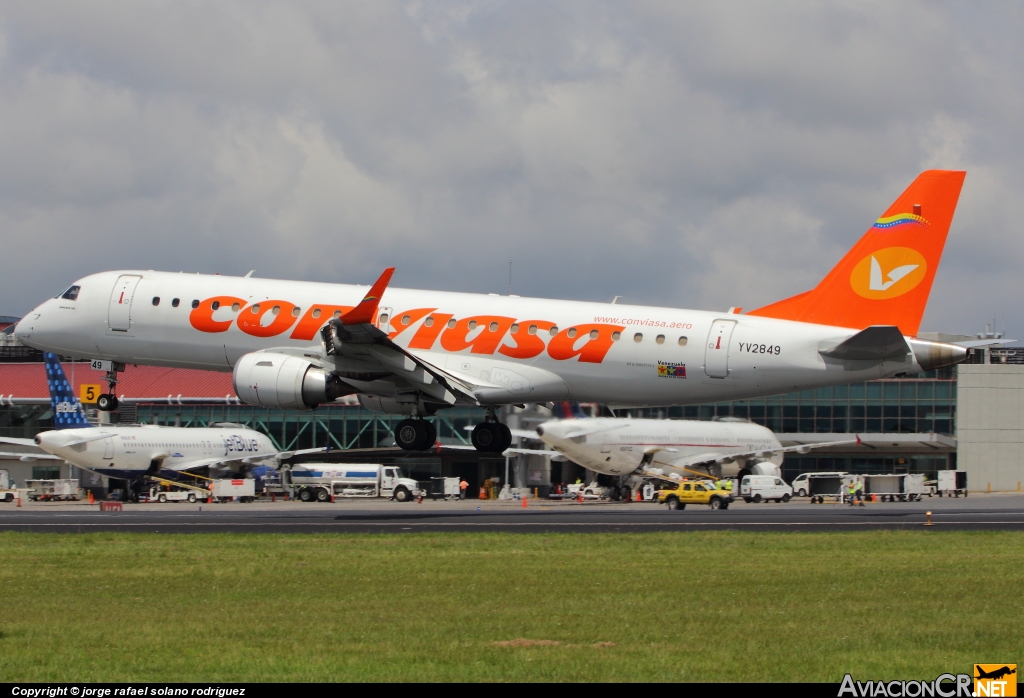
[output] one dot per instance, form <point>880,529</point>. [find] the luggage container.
<point>444,487</point>
<point>225,490</point>
<point>952,483</point>
<point>892,488</point>
<point>827,486</point>
<point>7,493</point>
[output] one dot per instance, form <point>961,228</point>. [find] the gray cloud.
<point>696,155</point>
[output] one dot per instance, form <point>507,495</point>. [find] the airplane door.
<point>384,319</point>
<point>119,314</point>
<point>108,448</point>
<point>716,353</point>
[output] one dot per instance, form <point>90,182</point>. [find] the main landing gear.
<point>491,436</point>
<point>415,434</point>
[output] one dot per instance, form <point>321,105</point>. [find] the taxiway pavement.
<point>977,512</point>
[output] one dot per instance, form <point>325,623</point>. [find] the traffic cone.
<point>272,497</point>
<point>525,499</point>
<point>579,496</point>
<point>91,499</point>
<point>639,497</point>
<point>19,500</point>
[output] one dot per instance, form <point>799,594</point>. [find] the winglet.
<point>363,313</point>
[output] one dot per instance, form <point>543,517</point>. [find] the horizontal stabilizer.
<point>875,343</point>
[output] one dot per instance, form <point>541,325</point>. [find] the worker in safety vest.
<point>851,490</point>
<point>859,491</point>
<point>463,486</point>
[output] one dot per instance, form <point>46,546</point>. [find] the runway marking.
<point>518,523</point>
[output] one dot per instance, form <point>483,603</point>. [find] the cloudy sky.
<point>684,154</point>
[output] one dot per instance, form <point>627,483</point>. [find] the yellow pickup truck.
<point>695,492</point>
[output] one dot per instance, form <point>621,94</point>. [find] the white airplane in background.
<point>636,449</point>
<point>296,345</point>
<point>129,452</point>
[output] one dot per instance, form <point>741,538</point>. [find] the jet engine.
<point>765,467</point>
<point>289,382</point>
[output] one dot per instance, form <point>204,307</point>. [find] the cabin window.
<point>572,332</point>
<point>384,319</point>
<point>276,310</point>
<point>616,336</point>
<point>515,328</point>
<point>195,304</point>
<point>451,323</point>
<point>235,307</point>
<point>255,308</point>
<point>406,319</point>
<point>215,305</point>
<point>156,300</point>
<point>660,339</point>
<point>295,311</point>
<point>533,329</point>
<point>682,341</point>
<point>638,337</point>
<point>553,331</point>
<point>593,334</point>
<point>429,322</point>
<point>316,313</point>
<point>493,327</point>
<point>175,303</point>
<point>472,324</point>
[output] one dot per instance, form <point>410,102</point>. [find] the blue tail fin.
<point>67,410</point>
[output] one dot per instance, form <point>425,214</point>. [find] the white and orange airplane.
<point>296,345</point>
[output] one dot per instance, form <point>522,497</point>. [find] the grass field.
<point>694,606</point>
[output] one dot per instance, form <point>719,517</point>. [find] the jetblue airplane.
<point>129,452</point>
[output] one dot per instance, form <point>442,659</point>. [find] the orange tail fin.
<point>887,276</point>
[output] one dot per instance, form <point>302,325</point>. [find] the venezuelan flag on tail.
<point>887,276</point>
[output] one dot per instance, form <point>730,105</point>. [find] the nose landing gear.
<point>108,402</point>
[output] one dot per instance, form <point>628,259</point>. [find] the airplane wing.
<point>523,451</point>
<point>361,352</point>
<point>271,459</point>
<point>718,458</point>
<point>29,456</point>
<point>17,442</point>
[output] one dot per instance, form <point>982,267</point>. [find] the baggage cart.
<point>952,483</point>
<point>52,490</point>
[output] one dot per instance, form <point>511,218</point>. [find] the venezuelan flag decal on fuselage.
<point>899,219</point>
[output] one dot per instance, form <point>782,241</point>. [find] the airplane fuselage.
<point>525,349</point>
<point>130,451</point>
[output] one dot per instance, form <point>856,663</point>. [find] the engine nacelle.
<point>765,467</point>
<point>932,355</point>
<point>289,382</point>
<point>392,405</point>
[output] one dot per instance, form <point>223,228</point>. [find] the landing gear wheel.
<point>322,495</point>
<point>506,437</point>
<point>486,437</point>
<point>415,434</point>
<point>107,402</point>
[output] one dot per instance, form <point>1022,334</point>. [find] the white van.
<point>755,488</point>
<point>802,486</point>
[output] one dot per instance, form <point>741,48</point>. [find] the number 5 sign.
<point>88,394</point>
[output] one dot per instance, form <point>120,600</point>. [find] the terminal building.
<point>966,417</point>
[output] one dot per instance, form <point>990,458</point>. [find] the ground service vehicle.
<point>757,488</point>
<point>695,492</point>
<point>801,483</point>
<point>952,483</point>
<point>156,494</point>
<point>52,490</point>
<point>830,485</point>
<point>7,493</point>
<point>320,481</point>
<point>226,490</point>
<point>297,344</point>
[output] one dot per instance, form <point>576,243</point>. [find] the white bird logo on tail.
<point>875,282</point>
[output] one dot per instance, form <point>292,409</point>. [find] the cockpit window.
<point>72,293</point>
